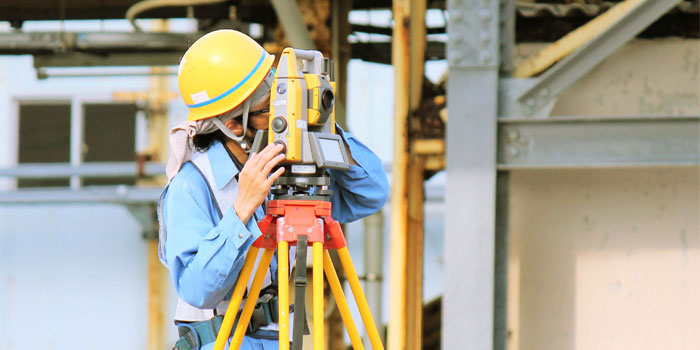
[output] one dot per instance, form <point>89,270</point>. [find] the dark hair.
<point>202,142</point>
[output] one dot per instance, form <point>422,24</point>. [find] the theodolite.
<point>302,119</point>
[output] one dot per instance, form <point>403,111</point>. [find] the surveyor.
<point>216,191</point>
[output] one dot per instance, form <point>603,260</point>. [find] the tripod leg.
<point>253,295</point>
<point>299,294</point>
<point>360,299</point>
<point>236,297</point>
<point>340,300</point>
<point>283,293</point>
<point>318,295</point>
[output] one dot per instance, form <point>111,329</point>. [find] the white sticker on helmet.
<point>200,97</point>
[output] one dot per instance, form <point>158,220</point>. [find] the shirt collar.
<point>222,166</point>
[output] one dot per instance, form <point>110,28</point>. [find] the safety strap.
<point>219,212</point>
<point>211,192</point>
<point>194,335</point>
<point>301,327</point>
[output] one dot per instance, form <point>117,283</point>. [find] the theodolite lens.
<point>327,99</point>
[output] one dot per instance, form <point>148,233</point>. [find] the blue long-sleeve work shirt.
<point>205,254</point>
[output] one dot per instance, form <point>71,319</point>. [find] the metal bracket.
<point>473,33</point>
<point>509,89</point>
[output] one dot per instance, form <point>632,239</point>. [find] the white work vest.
<point>224,198</point>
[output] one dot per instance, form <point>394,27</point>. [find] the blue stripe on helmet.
<point>234,88</point>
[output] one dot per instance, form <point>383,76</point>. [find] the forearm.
<point>205,259</point>
<point>361,190</point>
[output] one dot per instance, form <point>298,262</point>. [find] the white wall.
<point>75,272</point>
<point>72,277</point>
<point>610,259</point>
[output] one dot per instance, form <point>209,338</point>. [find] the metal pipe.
<point>374,251</point>
<point>397,251</point>
<point>146,5</point>
<point>408,48</point>
<point>44,74</point>
<point>53,171</point>
<point>118,194</point>
<point>292,21</point>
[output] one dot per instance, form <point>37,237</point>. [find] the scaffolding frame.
<point>507,121</point>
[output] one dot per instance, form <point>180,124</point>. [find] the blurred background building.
<point>559,210</point>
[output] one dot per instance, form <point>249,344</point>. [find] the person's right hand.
<point>255,180</point>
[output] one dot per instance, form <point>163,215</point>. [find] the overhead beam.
<point>59,170</point>
<point>18,11</point>
<point>115,194</point>
<point>372,29</point>
<point>18,43</point>
<point>80,59</point>
<point>380,52</point>
<point>81,49</point>
<point>576,142</point>
<point>577,64</point>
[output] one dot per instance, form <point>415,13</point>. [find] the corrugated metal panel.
<point>590,8</point>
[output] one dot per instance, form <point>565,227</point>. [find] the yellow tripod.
<point>292,222</point>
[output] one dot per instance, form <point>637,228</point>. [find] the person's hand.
<point>255,180</point>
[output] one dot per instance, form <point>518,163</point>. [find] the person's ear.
<point>233,125</point>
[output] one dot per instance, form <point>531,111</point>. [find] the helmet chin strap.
<point>220,124</point>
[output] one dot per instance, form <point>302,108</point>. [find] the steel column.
<point>472,95</point>
<point>341,53</point>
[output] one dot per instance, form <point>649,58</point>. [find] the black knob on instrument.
<point>284,146</point>
<point>279,124</point>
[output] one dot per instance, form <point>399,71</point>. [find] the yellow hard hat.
<point>220,71</point>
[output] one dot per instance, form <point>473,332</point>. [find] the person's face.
<point>258,119</point>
